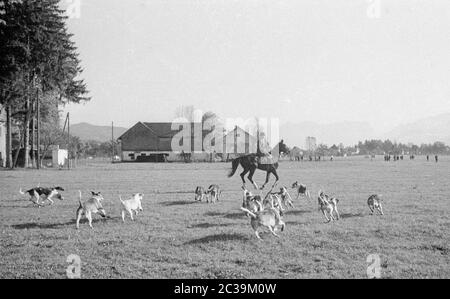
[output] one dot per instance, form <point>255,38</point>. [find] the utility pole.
<point>68,140</point>
<point>8,138</point>
<point>38,128</point>
<point>112,142</point>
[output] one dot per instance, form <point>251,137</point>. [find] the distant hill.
<point>348,133</point>
<point>88,132</point>
<point>426,130</point>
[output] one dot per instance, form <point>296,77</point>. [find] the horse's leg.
<point>267,180</point>
<point>277,178</point>
<point>243,176</point>
<point>250,177</point>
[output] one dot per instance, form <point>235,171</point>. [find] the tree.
<point>36,56</point>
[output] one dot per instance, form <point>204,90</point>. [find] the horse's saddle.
<point>266,159</point>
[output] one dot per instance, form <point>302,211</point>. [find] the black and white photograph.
<point>224,146</point>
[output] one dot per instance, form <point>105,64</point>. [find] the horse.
<point>250,163</point>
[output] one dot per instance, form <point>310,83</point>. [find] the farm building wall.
<point>152,142</point>
<point>238,142</point>
<point>2,136</point>
<point>139,138</point>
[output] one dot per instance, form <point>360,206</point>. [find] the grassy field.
<point>176,237</point>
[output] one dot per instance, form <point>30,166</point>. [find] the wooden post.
<point>112,142</point>
<point>26,132</point>
<point>38,132</point>
<point>68,140</point>
<point>8,138</point>
<point>33,135</point>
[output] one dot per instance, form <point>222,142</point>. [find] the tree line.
<point>39,72</point>
<point>380,147</point>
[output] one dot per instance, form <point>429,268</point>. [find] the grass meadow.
<point>176,237</point>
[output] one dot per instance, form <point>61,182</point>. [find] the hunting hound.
<point>214,193</point>
<point>301,190</point>
<point>284,197</point>
<point>200,193</point>
<point>251,202</point>
<point>269,218</point>
<point>44,193</point>
<point>374,203</point>
<point>131,205</point>
<point>92,206</point>
<point>328,205</point>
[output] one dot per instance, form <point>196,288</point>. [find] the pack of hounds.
<point>264,211</point>
<point>93,205</point>
<point>268,211</point>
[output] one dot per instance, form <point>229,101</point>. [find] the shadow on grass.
<point>237,215</point>
<point>218,238</point>
<point>352,215</point>
<point>294,223</point>
<point>177,203</point>
<point>208,225</point>
<point>33,225</point>
<point>15,207</point>
<point>296,213</point>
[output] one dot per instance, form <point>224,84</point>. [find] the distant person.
<point>436,158</point>
<point>428,158</point>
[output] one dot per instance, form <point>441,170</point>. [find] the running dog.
<point>49,194</point>
<point>200,193</point>
<point>273,201</point>
<point>284,197</point>
<point>131,205</point>
<point>269,218</point>
<point>328,205</point>
<point>251,202</point>
<point>374,203</point>
<point>301,190</point>
<point>214,193</point>
<point>89,207</point>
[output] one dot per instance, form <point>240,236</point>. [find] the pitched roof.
<point>162,130</point>
<point>240,130</point>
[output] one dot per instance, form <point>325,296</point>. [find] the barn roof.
<point>162,130</point>
<point>240,130</point>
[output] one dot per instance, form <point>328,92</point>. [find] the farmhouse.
<point>238,142</point>
<point>152,142</point>
<point>2,136</point>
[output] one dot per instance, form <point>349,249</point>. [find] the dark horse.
<point>252,162</point>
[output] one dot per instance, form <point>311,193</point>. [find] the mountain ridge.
<point>424,130</point>
<point>88,132</point>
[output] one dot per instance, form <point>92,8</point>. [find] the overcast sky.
<point>325,61</point>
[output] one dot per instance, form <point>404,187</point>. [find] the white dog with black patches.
<point>133,204</point>
<point>38,193</point>
<point>301,190</point>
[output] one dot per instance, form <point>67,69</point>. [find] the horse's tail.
<point>234,166</point>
